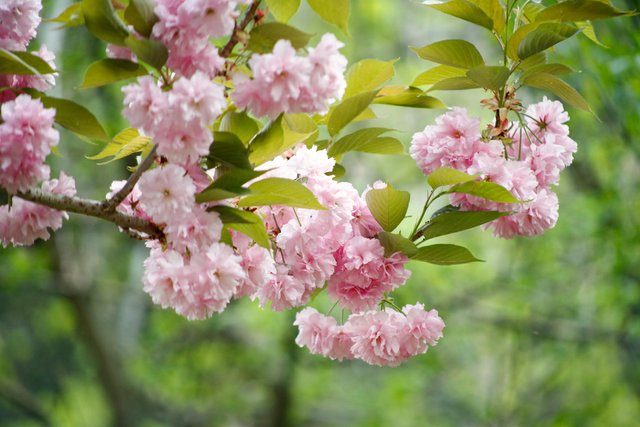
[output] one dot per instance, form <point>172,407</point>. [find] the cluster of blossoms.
<point>383,338</point>
<point>26,135</point>
<point>286,82</point>
<point>540,149</point>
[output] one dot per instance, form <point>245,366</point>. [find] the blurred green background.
<point>545,333</point>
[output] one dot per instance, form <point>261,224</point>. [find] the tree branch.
<point>92,208</point>
<point>111,204</point>
<point>235,36</point>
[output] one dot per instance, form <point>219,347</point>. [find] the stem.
<point>111,204</point>
<point>238,28</point>
<point>424,211</point>
<point>92,208</point>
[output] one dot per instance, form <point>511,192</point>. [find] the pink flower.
<point>193,232</point>
<point>25,222</point>
<point>260,267</point>
<point>167,193</point>
<point>19,19</point>
<point>377,337</point>
<point>282,290</point>
<point>197,287</point>
<point>452,142</point>
<point>547,116</point>
<point>130,205</point>
<point>121,52</point>
<point>423,328</point>
<point>363,274</point>
<point>285,82</point>
<point>26,138</point>
<point>43,82</point>
<point>316,331</point>
<point>145,104</point>
<point>531,219</point>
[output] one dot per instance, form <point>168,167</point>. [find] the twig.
<point>92,208</point>
<point>235,36</point>
<point>111,204</point>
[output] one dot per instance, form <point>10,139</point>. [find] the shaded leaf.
<point>580,10</point>
<point>455,53</point>
<point>349,109</point>
<point>76,118</point>
<point>110,70</point>
<point>365,140</point>
<point>240,124</point>
<point>437,73</point>
<point>393,243</point>
<point>264,37</point>
<point>70,17</point>
<point>464,10</point>
<point>23,63</point>
<point>280,191</point>
<point>102,21</point>
<point>490,77</point>
<point>388,206</point>
<point>404,96</point>
<point>558,87</point>
<point>247,223</point>
<point>543,37</point>
<point>453,222</point>
<point>454,83</point>
<point>140,14</point>
<point>444,255</point>
<point>228,150</point>
<point>442,177</point>
<point>486,190</point>
<point>152,52</point>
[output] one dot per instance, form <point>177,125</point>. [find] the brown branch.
<point>111,204</point>
<point>238,28</point>
<point>92,208</point>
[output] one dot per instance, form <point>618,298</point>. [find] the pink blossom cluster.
<point>540,150</point>
<point>22,223</point>
<point>193,272</point>
<point>26,138</point>
<point>382,338</point>
<point>178,120</point>
<point>286,82</point>
<point>185,27</point>
<point>18,22</point>
<point>313,247</point>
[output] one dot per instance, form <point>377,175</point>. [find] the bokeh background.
<point>546,332</point>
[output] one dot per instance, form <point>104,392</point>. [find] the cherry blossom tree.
<point>240,127</point>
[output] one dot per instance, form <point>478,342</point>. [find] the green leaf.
<point>580,10</point>
<point>76,118</point>
<point>368,141</point>
<point>349,109</point>
<point>437,73</point>
<point>394,243</point>
<point>280,191</point>
<point>367,75</point>
<point>453,222</point>
<point>404,96</point>
<point>152,52</point>
<point>454,83</point>
<point>264,37</point>
<point>110,70</point>
<point>558,87</point>
<point>555,69</point>
<point>140,14</point>
<point>70,17</point>
<point>466,11</point>
<point>299,129</point>
<point>240,124</point>
<point>455,53</point>
<point>229,185</point>
<point>229,151</point>
<point>494,10</point>
<point>543,37</point>
<point>442,177</point>
<point>102,21</point>
<point>533,61</point>
<point>490,77</point>
<point>444,255</point>
<point>486,190</point>
<point>283,10</point>
<point>125,143</point>
<point>23,63</point>
<point>388,206</point>
<point>333,11</point>
<point>589,32</point>
<point>268,143</point>
<point>247,223</point>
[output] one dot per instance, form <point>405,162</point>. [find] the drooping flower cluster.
<point>540,150</point>
<point>382,338</point>
<point>178,120</point>
<point>285,82</point>
<point>26,138</point>
<point>22,223</point>
<point>185,27</point>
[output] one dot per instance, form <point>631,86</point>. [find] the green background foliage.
<point>546,332</point>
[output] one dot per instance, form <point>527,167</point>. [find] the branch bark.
<point>235,36</point>
<point>92,208</point>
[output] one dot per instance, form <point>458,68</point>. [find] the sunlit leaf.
<point>106,71</point>
<point>444,255</point>
<point>558,87</point>
<point>455,53</point>
<point>394,243</point>
<point>333,11</point>
<point>264,37</point>
<point>283,10</point>
<point>442,177</point>
<point>388,206</point>
<point>280,191</point>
